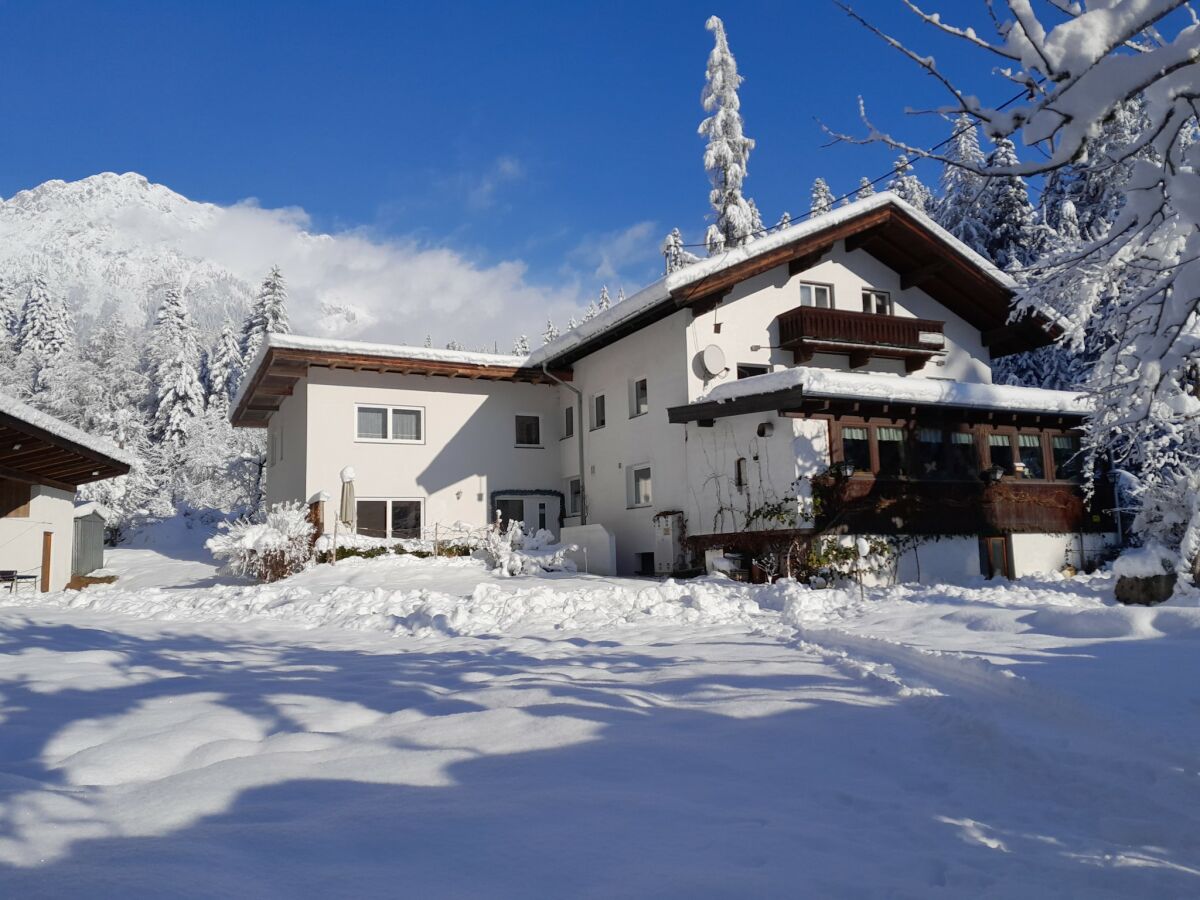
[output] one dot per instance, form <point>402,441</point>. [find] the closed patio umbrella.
<point>347,512</point>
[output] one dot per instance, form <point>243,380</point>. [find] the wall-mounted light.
<point>993,474</point>
<point>843,469</point>
<point>16,446</point>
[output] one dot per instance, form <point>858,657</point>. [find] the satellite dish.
<point>712,358</point>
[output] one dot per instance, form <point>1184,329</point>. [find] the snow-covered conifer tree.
<point>620,298</point>
<point>591,312</point>
<point>675,254</point>
<point>604,303</point>
<point>728,150</point>
<point>908,187</point>
<point>822,197</point>
<point>521,346</point>
<point>1012,237</point>
<point>958,209</point>
<point>224,368</point>
<point>785,220</point>
<point>756,222</point>
<point>45,329</point>
<point>454,345</point>
<point>267,316</point>
<point>175,356</point>
<point>865,189</point>
<point>551,332</point>
<point>572,324</point>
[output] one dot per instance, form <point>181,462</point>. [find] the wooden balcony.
<point>807,330</point>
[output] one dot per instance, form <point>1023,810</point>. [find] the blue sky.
<point>563,135</point>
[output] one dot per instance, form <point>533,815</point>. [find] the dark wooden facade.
<point>807,330</point>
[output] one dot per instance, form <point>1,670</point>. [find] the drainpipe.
<point>578,439</point>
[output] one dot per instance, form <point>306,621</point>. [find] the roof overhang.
<point>278,370</point>
<point>920,253</point>
<point>37,455</point>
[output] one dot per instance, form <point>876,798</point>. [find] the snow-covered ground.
<point>421,728</point>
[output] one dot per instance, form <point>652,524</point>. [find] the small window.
<point>739,473</point>
<point>529,431</point>
<point>541,517</point>
<point>639,398</point>
<point>406,425</point>
<point>1067,464</point>
<point>640,493</point>
<point>1032,462</point>
<point>598,411</point>
<point>877,302</point>
<point>748,370</point>
<point>962,456</point>
<point>574,496</point>
<point>892,456</point>
<point>818,295</point>
<point>568,421</point>
<point>931,453</point>
<point>372,423</point>
<point>856,448</point>
<point>1000,447</point>
<point>402,424</point>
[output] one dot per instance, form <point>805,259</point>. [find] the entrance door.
<point>510,508</point>
<point>47,549</point>
<point>534,512</point>
<point>995,557</point>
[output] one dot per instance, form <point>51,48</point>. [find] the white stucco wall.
<point>287,448</point>
<point>469,448</point>
<point>1036,554</point>
<point>747,318</point>
<point>658,354</point>
<point>50,509</point>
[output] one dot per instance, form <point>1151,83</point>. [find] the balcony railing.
<point>808,329</point>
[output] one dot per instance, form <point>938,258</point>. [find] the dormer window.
<point>877,302</point>
<point>818,295</point>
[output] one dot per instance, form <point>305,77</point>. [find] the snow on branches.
<point>728,150</point>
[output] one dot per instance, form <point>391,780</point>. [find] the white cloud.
<point>615,255</point>
<point>358,285</point>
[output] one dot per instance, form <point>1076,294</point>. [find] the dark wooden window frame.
<point>979,432</point>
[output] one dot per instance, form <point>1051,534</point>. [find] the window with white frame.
<point>568,421</point>
<point>877,302</point>
<point>387,518</point>
<point>391,424</point>
<point>818,295</point>
<point>639,397</point>
<point>598,412</point>
<point>574,496</point>
<point>528,430</point>
<point>640,492</point>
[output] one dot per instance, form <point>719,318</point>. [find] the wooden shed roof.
<point>39,449</point>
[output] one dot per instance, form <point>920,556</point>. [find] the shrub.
<point>268,547</point>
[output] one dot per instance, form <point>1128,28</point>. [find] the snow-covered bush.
<point>510,552</point>
<point>274,545</point>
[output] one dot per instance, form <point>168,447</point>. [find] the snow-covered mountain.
<point>112,243</point>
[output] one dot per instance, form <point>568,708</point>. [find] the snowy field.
<point>420,728</point>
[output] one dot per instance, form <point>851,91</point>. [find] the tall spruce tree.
<point>175,358</point>
<point>865,189</point>
<point>958,209</point>
<point>1012,237</point>
<point>521,346</point>
<point>267,316</point>
<point>224,369</point>
<point>45,329</point>
<point>728,150</point>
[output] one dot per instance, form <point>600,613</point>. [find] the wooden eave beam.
<point>919,275</point>
<point>32,478</point>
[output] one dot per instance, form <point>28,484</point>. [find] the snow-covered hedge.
<point>276,546</point>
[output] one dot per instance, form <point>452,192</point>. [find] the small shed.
<point>87,551</point>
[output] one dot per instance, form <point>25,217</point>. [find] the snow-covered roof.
<point>86,509</point>
<point>835,384</point>
<point>663,289</point>
<point>57,428</point>
<point>367,348</point>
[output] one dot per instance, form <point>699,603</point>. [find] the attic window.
<point>818,295</point>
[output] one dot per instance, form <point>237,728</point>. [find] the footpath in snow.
<point>399,726</point>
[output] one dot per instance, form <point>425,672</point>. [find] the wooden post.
<point>47,547</point>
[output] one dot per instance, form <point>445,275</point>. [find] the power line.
<point>765,230</point>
